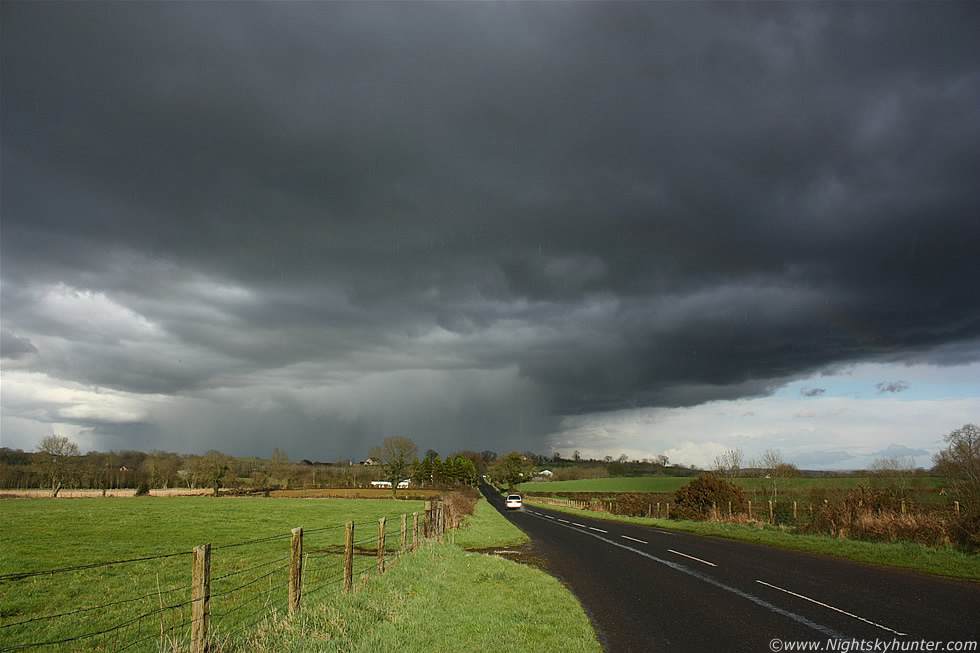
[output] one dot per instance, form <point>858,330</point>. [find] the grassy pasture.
<point>250,549</point>
<point>434,599</point>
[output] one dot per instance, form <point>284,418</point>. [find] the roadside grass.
<point>947,561</point>
<point>441,598</point>
<point>487,528</point>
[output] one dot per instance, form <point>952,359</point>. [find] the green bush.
<point>698,499</point>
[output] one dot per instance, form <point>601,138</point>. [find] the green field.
<point>611,485</point>
<point>137,601</point>
<point>672,483</point>
<point>250,549</point>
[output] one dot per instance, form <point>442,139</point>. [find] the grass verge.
<point>441,598</point>
<point>947,561</point>
<point>486,528</point>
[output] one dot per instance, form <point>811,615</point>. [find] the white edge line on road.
<point>593,528</point>
<point>703,562</point>
<point>830,607</point>
<point>579,525</point>
<point>549,516</point>
<point>633,539</point>
<point>829,632</point>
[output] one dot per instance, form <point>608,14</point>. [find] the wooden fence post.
<point>404,533</point>
<point>200,598</point>
<point>295,568</point>
<point>956,507</point>
<point>794,511</point>
<point>729,509</point>
<point>770,513</point>
<point>658,510</point>
<point>349,558</point>
<point>381,546</point>
<point>427,521</point>
<point>441,520</point>
<point>668,510</point>
<point>415,530</point>
<point>903,506</point>
<point>750,510</point>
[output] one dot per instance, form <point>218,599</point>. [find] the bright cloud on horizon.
<point>845,427</point>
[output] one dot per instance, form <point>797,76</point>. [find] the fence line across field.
<point>217,606</point>
<point>774,512</point>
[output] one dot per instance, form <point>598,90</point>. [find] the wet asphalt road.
<point>650,589</point>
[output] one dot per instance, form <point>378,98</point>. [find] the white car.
<point>513,502</point>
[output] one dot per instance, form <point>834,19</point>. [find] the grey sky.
<point>316,224</point>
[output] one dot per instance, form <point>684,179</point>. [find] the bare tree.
<point>894,474</point>
<point>59,454</point>
<point>396,454</point>
<point>775,468</point>
<point>729,464</point>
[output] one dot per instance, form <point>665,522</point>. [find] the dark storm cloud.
<point>811,392</point>
<point>892,386</point>
<point>630,203</point>
<point>15,347</point>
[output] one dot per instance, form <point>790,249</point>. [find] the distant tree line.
<point>57,464</point>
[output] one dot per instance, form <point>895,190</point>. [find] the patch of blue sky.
<point>900,382</point>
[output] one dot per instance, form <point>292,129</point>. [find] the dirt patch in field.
<point>526,554</point>
<point>94,494</point>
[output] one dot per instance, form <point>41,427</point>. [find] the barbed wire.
<point>317,578</point>
<point>256,541</point>
<point>105,631</point>
<point>47,572</point>
<point>96,607</point>
<point>239,572</point>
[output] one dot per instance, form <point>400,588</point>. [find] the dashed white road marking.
<point>593,528</point>
<point>830,607</point>
<point>564,521</point>
<point>579,525</point>
<point>704,562</point>
<point>827,631</point>
<point>633,539</point>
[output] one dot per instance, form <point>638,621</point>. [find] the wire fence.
<point>154,603</point>
<point>787,512</point>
